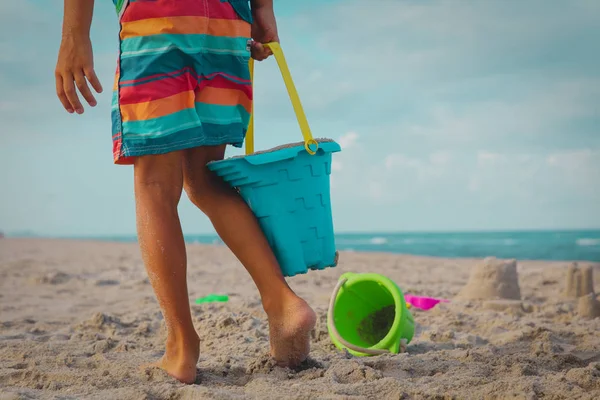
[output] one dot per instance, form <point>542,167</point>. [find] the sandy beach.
<point>78,318</point>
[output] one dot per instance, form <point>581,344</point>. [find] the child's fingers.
<point>84,88</point>
<point>260,52</point>
<point>256,51</point>
<point>90,74</point>
<point>69,88</point>
<point>60,92</point>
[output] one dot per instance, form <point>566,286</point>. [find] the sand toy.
<point>288,190</point>
<point>368,315</point>
<point>213,298</point>
<point>424,303</point>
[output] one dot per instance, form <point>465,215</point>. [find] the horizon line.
<point>25,233</point>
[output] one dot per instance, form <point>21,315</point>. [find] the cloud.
<point>348,140</point>
<point>376,191</point>
<point>538,119</point>
<point>443,45</point>
<point>400,176</point>
<point>579,169</point>
<point>495,179</point>
<point>573,159</point>
<point>442,75</point>
<point>485,158</point>
<point>390,177</point>
<point>336,165</point>
<point>393,161</point>
<point>430,166</point>
<point>556,177</point>
<point>447,112</point>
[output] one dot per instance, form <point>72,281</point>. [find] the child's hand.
<point>75,65</point>
<point>264,30</point>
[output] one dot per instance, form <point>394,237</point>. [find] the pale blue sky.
<point>453,115</point>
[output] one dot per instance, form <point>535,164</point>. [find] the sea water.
<point>522,245</point>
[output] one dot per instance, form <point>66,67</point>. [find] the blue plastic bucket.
<point>288,190</point>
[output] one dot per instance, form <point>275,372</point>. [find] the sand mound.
<point>492,279</point>
<point>588,306</point>
<point>579,282</point>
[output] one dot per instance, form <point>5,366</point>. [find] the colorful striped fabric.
<point>182,79</point>
<point>120,6</point>
<point>242,7</point>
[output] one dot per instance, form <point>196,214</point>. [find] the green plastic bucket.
<point>368,315</point>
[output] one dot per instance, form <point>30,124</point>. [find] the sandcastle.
<point>579,282</point>
<point>492,279</point>
<point>588,306</point>
<point>580,285</point>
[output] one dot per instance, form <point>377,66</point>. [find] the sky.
<point>452,115</point>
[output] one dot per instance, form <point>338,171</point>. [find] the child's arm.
<point>264,28</point>
<point>75,59</point>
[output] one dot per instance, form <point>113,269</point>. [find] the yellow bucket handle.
<point>310,144</point>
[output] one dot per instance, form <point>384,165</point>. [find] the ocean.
<point>522,245</point>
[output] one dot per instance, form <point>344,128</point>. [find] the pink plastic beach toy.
<point>424,303</point>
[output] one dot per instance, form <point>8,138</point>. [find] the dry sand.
<point>77,318</point>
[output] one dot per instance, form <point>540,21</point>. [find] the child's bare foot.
<point>180,360</point>
<point>290,325</point>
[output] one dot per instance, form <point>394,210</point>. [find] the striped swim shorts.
<point>182,77</point>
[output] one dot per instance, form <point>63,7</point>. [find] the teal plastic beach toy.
<point>288,190</point>
<point>368,315</point>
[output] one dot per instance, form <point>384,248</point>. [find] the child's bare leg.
<point>290,317</point>
<point>158,186</point>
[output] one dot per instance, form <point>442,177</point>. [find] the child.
<point>182,93</point>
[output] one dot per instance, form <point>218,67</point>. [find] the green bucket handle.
<point>334,332</point>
